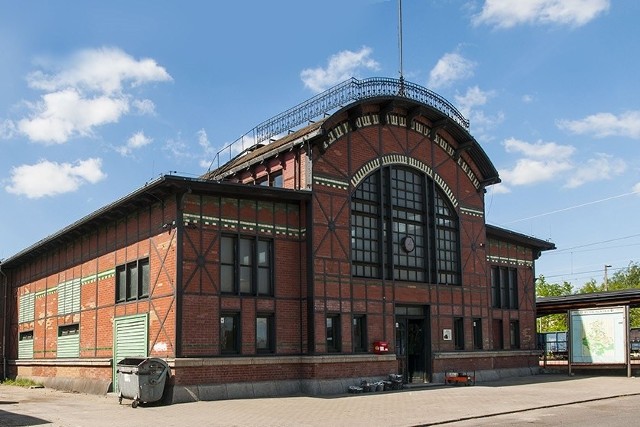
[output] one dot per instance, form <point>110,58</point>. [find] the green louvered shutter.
<point>25,345</point>
<point>26,308</point>
<point>69,296</point>
<point>130,340</point>
<point>69,341</point>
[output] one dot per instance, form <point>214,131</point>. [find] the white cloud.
<point>47,178</point>
<point>541,161</point>
<point>527,99</point>
<point>86,91</point>
<point>602,167</point>
<point>474,97</point>
<point>499,188</point>
<point>144,106</point>
<point>7,129</point>
<point>208,151</point>
<point>507,13</point>
<point>602,125</point>
<point>480,122</point>
<point>60,115</point>
<point>179,148</point>
<point>136,141</point>
<point>450,68</point>
<point>546,161</point>
<point>539,149</point>
<point>636,188</point>
<point>531,171</point>
<point>105,70</point>
<point>341,66</point>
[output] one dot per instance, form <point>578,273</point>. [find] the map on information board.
<point>598,335</point>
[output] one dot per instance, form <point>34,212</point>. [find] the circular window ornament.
<point>408,244</point>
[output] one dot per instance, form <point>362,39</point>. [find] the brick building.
<point>351,248</point>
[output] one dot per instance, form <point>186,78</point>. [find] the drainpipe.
<point>3,282</point>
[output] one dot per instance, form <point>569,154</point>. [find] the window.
<point>359,334</point>
<point>230,333</point>
<point>514,334</point>
<point>458,333</point>
<point>333,333</point>
<point>132,281</point>
<point>272,180</point>
<point>264,334</point>
<point>477,334</point>
<point>275,179</point>
<point>25,345</point>
<point>504,287</point>
<point>246,265</point>
<point>403,227</point>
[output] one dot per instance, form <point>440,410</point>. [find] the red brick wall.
<point>202,302</point>
<point>138,236</point>
<point>336,291</point>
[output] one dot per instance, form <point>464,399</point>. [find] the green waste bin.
<point>141,379</point>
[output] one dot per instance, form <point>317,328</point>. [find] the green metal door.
<point>130,337</point>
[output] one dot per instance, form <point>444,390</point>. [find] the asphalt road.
<point>615,411</point>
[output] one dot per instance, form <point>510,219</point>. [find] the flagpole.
<point>401,93</point>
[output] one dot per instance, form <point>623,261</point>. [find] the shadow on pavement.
<point>9,419</point>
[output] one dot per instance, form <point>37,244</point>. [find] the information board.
<point>599,335</point>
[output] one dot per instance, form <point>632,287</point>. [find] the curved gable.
<point>423,119</point>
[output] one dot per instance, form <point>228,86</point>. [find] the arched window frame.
<point>406,204</point>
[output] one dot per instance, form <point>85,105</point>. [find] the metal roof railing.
<point>336,97</point>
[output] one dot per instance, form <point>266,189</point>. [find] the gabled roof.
<point>261,152</point>
<point>147,195</point>
<point>522,239</point>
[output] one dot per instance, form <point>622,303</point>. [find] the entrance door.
<point>412,347</point>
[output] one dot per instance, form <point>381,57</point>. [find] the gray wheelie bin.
<point>141,379</point>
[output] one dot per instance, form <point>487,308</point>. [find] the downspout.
<point>179,269</point>
<point>4,323</point>
<point>179,266</point>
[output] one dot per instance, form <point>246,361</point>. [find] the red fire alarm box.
<point>380,347</point>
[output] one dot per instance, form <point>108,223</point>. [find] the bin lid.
<point>131,361</point>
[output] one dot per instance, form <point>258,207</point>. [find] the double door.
<point>413,348</point>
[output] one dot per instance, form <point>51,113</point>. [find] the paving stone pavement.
<point>434,404</point>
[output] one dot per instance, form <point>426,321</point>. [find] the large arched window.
<point>403,227</point>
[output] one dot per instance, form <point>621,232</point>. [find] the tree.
<point>628,278</point>
<point>591,287</point>
<point>552,322</point>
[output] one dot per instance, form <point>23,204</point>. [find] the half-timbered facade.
<point>349,249</point>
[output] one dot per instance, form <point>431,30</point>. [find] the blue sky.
<point>97,98</point>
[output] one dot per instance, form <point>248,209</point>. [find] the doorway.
<point>412,344</point>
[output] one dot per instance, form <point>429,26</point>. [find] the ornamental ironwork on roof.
<point>332,99</point>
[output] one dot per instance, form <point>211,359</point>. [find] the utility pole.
<point>606,284</point>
